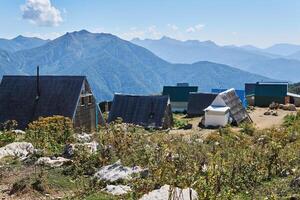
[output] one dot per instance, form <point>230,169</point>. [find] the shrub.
<point>50,133</point>
<point>8,125</point>
<point>7,138</point>
<point>247,128</point>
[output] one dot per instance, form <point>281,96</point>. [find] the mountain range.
<point>115,65</point>
<point>281,61</point>
<point>21,43</point>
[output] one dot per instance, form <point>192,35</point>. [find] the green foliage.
<point>247,128</point>
<point>6,138</point>
<point>225,164</point>
<point>8,125</point>
<point>50,134</point>
<point>179,122</point>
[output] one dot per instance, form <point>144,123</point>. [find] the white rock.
<point>52,162</point>
<point>164,193</point>
<point>83,137</point>
<point>117,189</point>
<point>116,172</point>
<point>17,149</point>
<point>19,132</point>
<point>92,147</point>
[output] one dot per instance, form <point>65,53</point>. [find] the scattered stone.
<point>117,171</point>
<point>17,149</point>
<point>166,193</point>
<point>52,162</point>
<point>295,183</point>
<point>286,172</point>
<point>83,137</point>
<point>267,112</point>
<point>274,106</point>
<point>199,140</point>
<point>19,132</point>
<point>92,147</point>
<point>275,113</point>
<point>117,189</point>
<point>289,107</point>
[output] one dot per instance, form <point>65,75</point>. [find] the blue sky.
<point>257,22</point>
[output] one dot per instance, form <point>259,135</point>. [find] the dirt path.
<point>262,121</point>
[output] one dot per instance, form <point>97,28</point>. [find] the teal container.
<point>179,93</point>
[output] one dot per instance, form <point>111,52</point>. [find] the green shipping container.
<point>179,93</point>
<point>266,93</point>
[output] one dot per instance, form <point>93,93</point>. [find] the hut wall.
<point>86,116</point>
<point>179,106</point>
<point>168,118</point>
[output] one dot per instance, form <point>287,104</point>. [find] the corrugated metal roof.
<point>240,93</point>
<point>179,93</point>
<point>237,111</point>
<point>58,96</point>
<point>141,110</point>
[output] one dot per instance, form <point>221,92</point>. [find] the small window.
<point>82,101</point>
<point>90,100</point>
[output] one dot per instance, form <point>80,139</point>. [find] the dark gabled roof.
<point>58,96</point>
<point>147,111</point>
<point>179,93</point>
<point>198,102</point>
<point>237,111</point>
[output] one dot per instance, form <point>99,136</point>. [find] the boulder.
<point>17,149</point>
<point>166,193</point>
<point>289,107</point>
<point>117,189</point>
<point>117,171</point>
<point>92,147</point>
<point>52,162</point>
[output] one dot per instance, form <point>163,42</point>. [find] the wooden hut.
<point>148,111</point>
<point>26,98</point>
<point>198,101</point>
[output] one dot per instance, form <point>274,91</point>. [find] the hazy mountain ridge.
<point>249,58</point>
<point>115,65</point>
<point>20,43</point>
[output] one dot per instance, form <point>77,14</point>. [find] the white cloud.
<point>196,28</point>
<point>133,33</point>
<point>153,32</point>
<point>173,27</point>
<point>51,35</point>
<point>41,13</point>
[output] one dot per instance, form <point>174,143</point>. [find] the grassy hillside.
<point>227,164</point>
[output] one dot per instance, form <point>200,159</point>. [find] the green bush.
<point>50,134</point>
<point>247,128</point>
